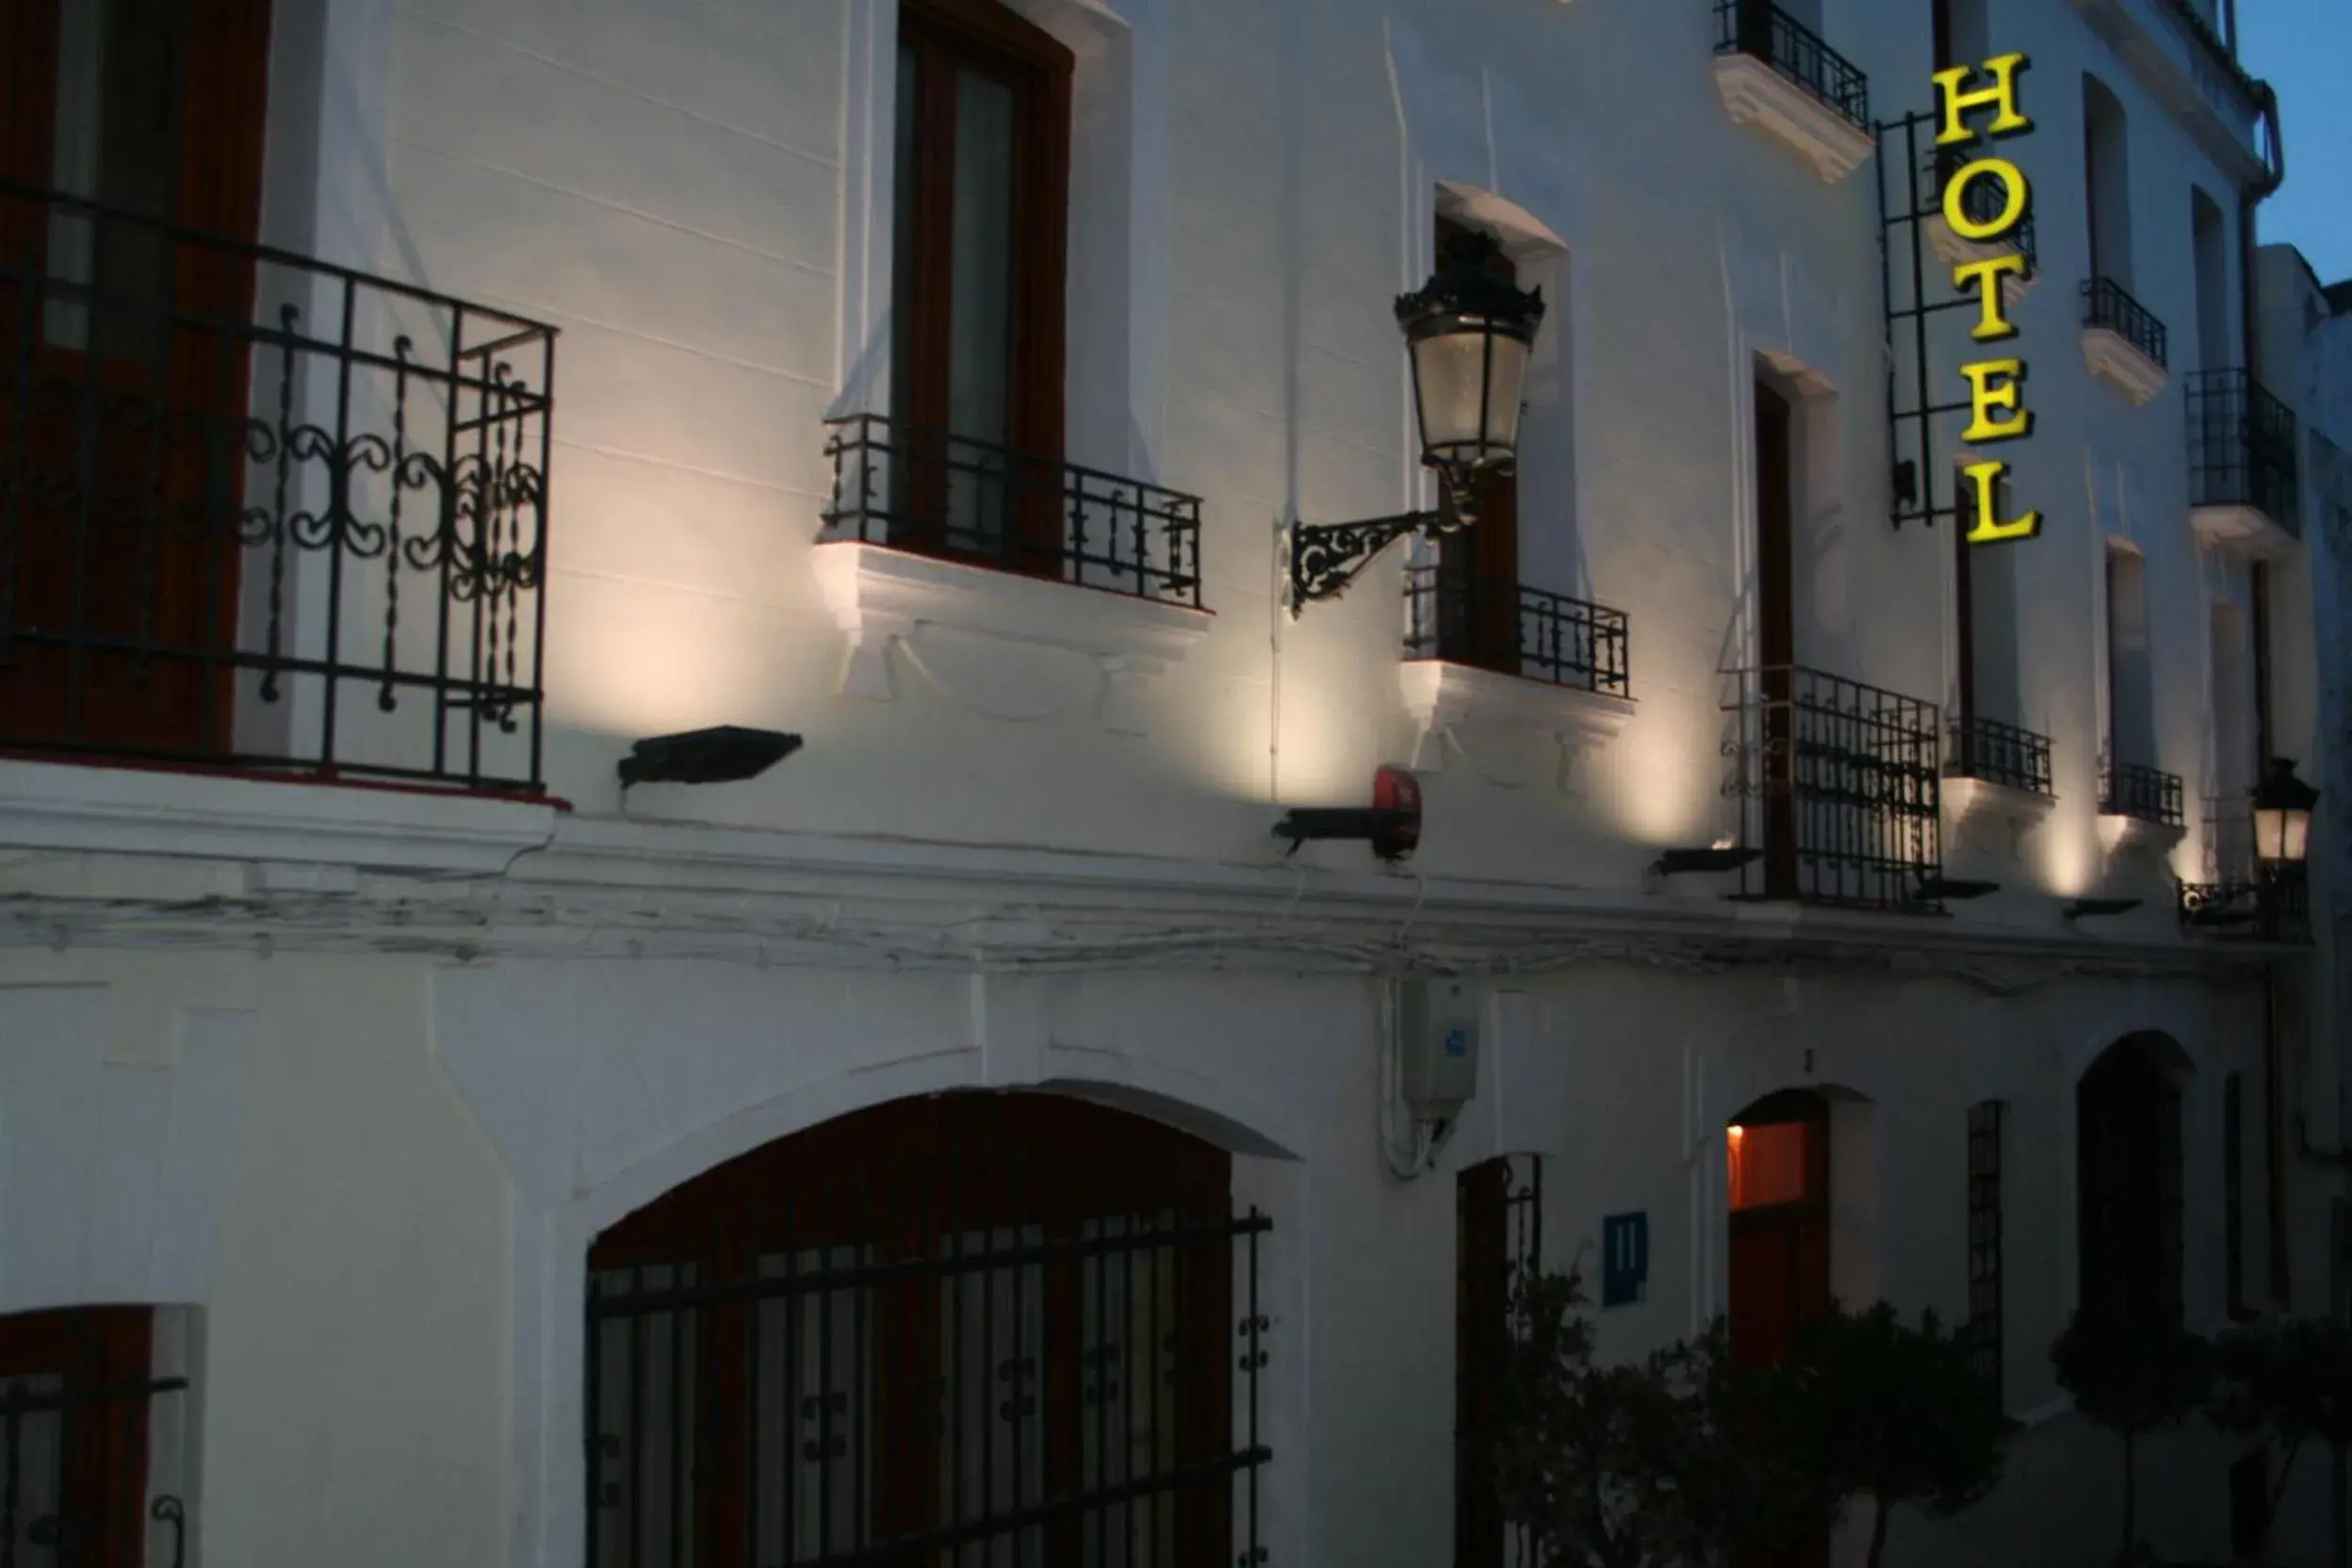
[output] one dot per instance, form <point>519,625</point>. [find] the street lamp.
<point>1468,333</point>
<point>2282,815</point>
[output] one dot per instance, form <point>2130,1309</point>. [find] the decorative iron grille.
<point>2147,794</point>
<point>1539,635</point>
<point>1759,29</point>
<point>2271,905</point>
<point>2241,448</point>
<point>951,496</point>
<point>1985,1119</point>
<point>93,1450</point>
<point>1840,787</point>
<point>260,511</point>
<point>932,1364</point>
<point>1999,754</point>
<point>1982,201</point>
<point>2106,305</point>
<point>1498,1227</point>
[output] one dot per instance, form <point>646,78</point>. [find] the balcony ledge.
<point>1009,647</point>
<point>1752,90</point>
<point>298,834</point>
<point>2120,832</point>
<point>1967,799</point>
<point>2241,530</point>
<point>1494,721</point>
<point>1956,252</point>
<point>2113,357</point>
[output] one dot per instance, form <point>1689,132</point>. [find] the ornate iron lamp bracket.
<point>1325,557</point>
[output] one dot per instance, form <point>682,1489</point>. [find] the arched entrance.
<point>991,1326</point>
<point>2128,1177</point>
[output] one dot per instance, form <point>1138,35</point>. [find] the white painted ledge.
<point>1754,92</point>
<point>1007,646</point>
<point>2241,530</point>
<point>2120,832</point>
<point>299,833</point>
<point>1968,799</point>
<point>2114,358</point>
<point>1506,727</point>
<point>1956,252</point>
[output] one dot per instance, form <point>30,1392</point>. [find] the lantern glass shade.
<point>1469,378</point>
<point>2282,815</point>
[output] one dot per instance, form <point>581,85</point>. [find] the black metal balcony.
<point>2142,794</point>
<point>2106,305</point>
<point>1763,29</point>
<point>2271,905</point>
<point>1516,629</point>
<point>1998,753</point>
<point>947,495</point>
<point>2241,448</point>
<point>263,513</point>
<point>1981,201</point>
<point>1840,784</point>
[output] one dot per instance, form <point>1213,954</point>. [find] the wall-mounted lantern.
<point>1469,332</point>
<point>2282,816</point>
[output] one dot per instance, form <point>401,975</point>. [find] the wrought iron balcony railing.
<point>261,512</point>
<point>2143,793</point>
<point>2241,448</point>
<point>1839,785</point>
<point>1981,201</point>
<point>2106,305</point>
<point>2271,905</point>
<point>1999,754</point>
<point>972,500</point>
<point>1759,29</point>
<point>1517,629</point>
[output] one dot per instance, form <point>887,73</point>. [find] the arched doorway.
<point>1778,1158</point>
<point>2128,1177</point>
<point>968,1327</point>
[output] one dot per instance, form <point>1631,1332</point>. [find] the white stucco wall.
<point>373,1178</point>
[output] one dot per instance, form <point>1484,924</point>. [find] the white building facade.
<point>982,1129</point>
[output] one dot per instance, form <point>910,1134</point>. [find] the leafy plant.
<point>2132,1373</point>
<point>2292,1377</point>
<point>1899,1414</point>
<point>1676,1461</point>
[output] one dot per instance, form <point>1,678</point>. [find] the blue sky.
<point>2303,49</point>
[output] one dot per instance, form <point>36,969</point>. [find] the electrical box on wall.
<point>1439,1036</point>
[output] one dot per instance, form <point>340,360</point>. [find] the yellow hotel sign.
<point>1996,386</point>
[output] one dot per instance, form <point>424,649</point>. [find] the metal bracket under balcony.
<point>1773,71</point>
<point>2273,907</point>
<point>264,512</point>
<point>1839,786</point>
<point>2244,493</point>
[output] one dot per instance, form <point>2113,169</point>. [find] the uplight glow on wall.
<point>1997,410</point>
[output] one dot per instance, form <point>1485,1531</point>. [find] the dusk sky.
<point>2303,49</point>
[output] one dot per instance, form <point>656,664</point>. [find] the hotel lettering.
<point>1978,105</point>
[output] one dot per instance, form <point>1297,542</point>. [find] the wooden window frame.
<point>946,37</point>
<point>1775,481</point>
<point>1987,1130</point>
<point>103,1356</point>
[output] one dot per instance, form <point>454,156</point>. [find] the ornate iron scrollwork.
<point>1325,559</point>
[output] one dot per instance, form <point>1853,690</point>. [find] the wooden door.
<point>125,125</point>
<point>1477,571</point>
<point>1780,1256</point>
<point>1776,637</point>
